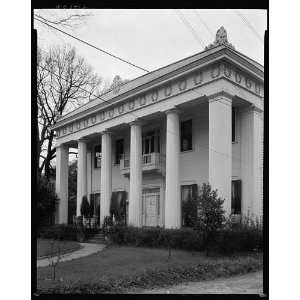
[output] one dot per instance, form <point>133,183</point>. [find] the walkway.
<point>87,249</point>
<point>251,283</point>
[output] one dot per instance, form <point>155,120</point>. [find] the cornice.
<point>222,52</point>
<point>191,80</point>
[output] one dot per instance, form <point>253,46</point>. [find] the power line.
<point>95,47</point>
<point>190,27</point>
<point>199,18</point>
<point>248,24</point>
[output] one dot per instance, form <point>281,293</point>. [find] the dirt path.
<point>251,283</point>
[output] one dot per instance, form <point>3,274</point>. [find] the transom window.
<point>186,139</point>
<point>97,157</point>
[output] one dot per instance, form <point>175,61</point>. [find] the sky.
<point>153,38</point>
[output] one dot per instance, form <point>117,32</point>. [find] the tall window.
<point>233,123</point>
<point>119,151</point>
<point>188,204</point>
<point>186,140</point>
<point>97,157</point>
<point>151,142</point>
<point>236,197</point>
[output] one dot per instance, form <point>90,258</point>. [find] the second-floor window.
<point>233,123</point>
<point>151,142</point>
<point>97,157</point>
<point>119,150</point>
<point>186,139</point>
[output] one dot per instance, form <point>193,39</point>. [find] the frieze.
<point>161,93</point>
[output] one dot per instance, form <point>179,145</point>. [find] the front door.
<point>151,208</point>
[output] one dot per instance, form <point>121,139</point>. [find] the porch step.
<point>97,238</point>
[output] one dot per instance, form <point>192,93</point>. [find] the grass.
<point>116,269</point>
<point>44,247</point>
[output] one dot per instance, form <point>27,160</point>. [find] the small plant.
<point>54,258</point>
<point>211,217</point>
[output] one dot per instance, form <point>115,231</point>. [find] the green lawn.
<point>123,263</point>
<point>45,248</point>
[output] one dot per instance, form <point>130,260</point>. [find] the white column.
<point>172,200</point>
<point>106,176</point>
<point>220,148</point>
<point>252,161</point>
<point>61,183</point>
<point>81,173</point>
<point>135,189</point>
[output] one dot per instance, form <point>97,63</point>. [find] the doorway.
<point>151,207</point>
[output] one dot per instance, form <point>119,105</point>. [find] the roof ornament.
<point>116,84</point>
<point>221,39</point>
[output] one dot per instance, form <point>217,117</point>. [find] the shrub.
<point>210,217</point>
<point>65,232</point>
<point>85,208</point>
<point>46,200</point>
<point>185,238</point>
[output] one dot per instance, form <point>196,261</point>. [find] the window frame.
<point>117,159</point>
<point>191,136</point>
<point>236,188</point>
<point>95,157</point>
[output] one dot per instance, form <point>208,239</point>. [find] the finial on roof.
<point>221,39</point>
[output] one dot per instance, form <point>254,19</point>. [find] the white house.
<point>160,136</point>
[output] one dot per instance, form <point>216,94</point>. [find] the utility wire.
<point>89,44</point>
<point>189,26</point>
<point>205,25</point>
<point>248,24</point>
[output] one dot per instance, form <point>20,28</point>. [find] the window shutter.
<point>239,195</point>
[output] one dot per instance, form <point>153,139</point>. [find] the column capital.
<point>173,110</point>
<point>251,108</point>
<point>106,131</point>
<point>221,96</point>
<point>136,122</point>
<point>82,140</point>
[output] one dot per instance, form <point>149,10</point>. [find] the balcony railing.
<point>150,162</point>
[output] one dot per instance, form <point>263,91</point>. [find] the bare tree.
<point>64,81</point>
<point>68,18</point>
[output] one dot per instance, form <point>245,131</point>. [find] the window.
<point>188,204</point>
<point>97,158</point>
<point>119,151</point>
<point>186,141</point>
<point>236,197</point>
<point>151,142</point>
<point>233,116</point>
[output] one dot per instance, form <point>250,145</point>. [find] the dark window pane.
<point>97,157</point>
<point>186,140</point>
<point>119,150</point>
<point>233,124</point>
<point>236,197</point>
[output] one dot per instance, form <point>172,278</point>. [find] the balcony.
<point>152,162</point>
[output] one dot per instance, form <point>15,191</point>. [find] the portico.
<point>197,120</point>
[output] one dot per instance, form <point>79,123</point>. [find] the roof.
<point>132,85</point>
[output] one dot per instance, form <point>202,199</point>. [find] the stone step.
<point>98,241</point>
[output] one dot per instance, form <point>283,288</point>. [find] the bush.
<point>65,232</point>
<point>46,201</point>
<point>185,238</point>
<point>230,240</point>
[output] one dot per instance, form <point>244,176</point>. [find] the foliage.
<point>64,81</point>
<point>46,199</point>
<point>210,215</point>
<point>65,232</point>
<point>107,224</point>
<point>85,208</point>
<point>185,238</point>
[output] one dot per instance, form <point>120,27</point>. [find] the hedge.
<point>65,232</point>
<point>229,240</point>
